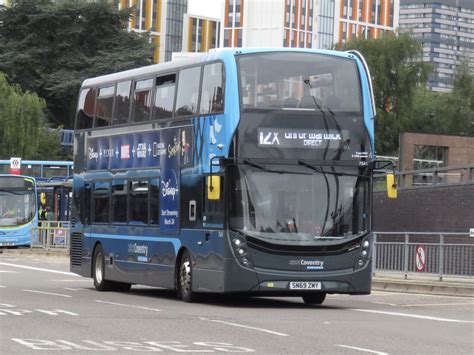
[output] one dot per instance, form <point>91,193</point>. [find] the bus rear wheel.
<point>98,271</point>
<point>314,298</point>
<point>185,279</point>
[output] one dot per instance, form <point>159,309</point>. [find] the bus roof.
<point>19,176</point>
<point>197,58</point>
<point>42,162</point>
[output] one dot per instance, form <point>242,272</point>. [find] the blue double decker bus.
<point>18,210</point>
<point>236,171</point>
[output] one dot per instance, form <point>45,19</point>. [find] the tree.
<point>397,71</point>
<point>458,107</point>
<point>24,132</point>
<point>51,47</point>
<point>445,113</point>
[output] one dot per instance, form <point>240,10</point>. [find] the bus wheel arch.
<point>184,274</point>
<point>98,269</point>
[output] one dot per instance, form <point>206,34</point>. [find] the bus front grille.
<point>76,250</point>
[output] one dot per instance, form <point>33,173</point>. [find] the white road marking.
<point>75,280</point>
<point>40,269</point>
<point>362,349</point>
<point>245,326</point>
<point>74,289</point>
<point>56,312</point>
<point>8,272</point>
<point>2,286</point>
<point>438,304</point>
<point>351,299</point>
<point>413,316</point>
<point>129,305</point>
<point>48,293</point>
<point>387,293</point>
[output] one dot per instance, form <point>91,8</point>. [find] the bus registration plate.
<point>305,285</point>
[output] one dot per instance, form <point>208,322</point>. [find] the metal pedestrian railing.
<point>421,178</point>
<point>52,235</point>
<point>434,254</point>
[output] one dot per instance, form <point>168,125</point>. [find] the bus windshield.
<point>300,207</point>
<point>292,80</point>
<point>17,201</point>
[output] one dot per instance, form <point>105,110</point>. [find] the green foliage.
<point>459,106</point>
<point>445,113</point>
<point>24,132</point>
<point>397,71</point>
<point>51,47</point>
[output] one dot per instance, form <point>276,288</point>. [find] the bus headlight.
<point>366,244</point>
<point>364,253</point>
<point>239,246</point>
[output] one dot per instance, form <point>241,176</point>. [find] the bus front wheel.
<point>100,283</point>
<point>185,275</point>
<point>314,298</point>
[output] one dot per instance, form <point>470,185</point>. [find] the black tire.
<point>314,298</point>
<point>98,271</point>
<point>185,279</point>
<point>121,286</point>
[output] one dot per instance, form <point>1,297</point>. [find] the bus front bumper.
<point>288,283</point>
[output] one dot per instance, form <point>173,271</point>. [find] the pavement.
<point>426,284</point>
<point>382,281</point>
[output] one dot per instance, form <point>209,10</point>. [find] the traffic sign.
<point>420,258</point>
<point>15,166</point>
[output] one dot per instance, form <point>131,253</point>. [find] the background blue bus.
<point>237,171</point>
<point>18,210</point>
<point>44,169</point>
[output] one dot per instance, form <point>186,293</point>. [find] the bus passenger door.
<point>211,246</point>
<point>85,211</point>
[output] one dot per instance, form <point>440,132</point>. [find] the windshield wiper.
<point>258,166</point>
<point>320,170</point>
<point>255,165</point>
<point>12,192</point>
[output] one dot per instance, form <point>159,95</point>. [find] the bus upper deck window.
<point>122,102</point>
<point>104,107</point>
<point>142,101</point>
<point>86,108</point>
<point>164,96</point>
<point>188,89</point>
<point>212,93</point>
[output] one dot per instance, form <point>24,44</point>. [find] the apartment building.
<point>446,30</point>
<point>163,19</point>
<point>287,23</point>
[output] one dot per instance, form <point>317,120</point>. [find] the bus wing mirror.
<point>213,187</point>
<point>43,198</point>
<point>391,186</point>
